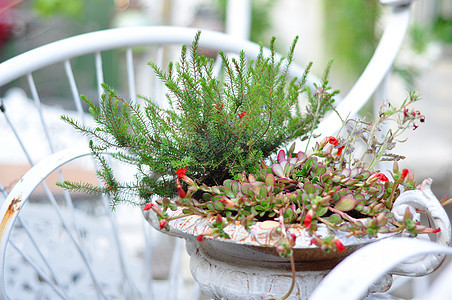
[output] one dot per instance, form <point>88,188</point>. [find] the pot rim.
<point>261,234</point>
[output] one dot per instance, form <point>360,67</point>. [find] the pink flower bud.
<point>148,206</point>
<point>292,239</point>
<point>308,218</point>
<point>163,223</point>
<point>404,174</point>
<point>219,219</point>
<point>179,188</point>
<point>382,177</point>
<point>181,192</point>
<point>280,249</point>
<point>339,246</point>
<point>332,140</point>
<point>227,202</point>
<point>181,172</point>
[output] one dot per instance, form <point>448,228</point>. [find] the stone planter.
<point>247,266</point>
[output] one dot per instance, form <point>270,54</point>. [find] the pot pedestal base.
<point>231,271</point>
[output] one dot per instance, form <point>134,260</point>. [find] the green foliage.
<point>420,36</point>
<point>68,8</point>
<point>349,33</point>
<point>216,128</point>
<point>260,17</point>
<point>442,29</point>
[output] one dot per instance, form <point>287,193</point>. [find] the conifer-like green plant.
<point>215,126</point>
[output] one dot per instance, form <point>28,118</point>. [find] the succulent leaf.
<point>278,170</point>
<point>346,204</point>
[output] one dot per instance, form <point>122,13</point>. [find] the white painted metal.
<point>238,18</point>
<point>122,38</point>
<point>99,74</point>
<point>157,85</point>
<point>423,199</point>
<point>20,193</point>
<point>346,281</point>
<point>43,275</point>
<point>117,38</point>
<point>74,90</point>
<point>131,74</point>
<point>441,288</point>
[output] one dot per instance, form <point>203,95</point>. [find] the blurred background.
<point>345,31</point>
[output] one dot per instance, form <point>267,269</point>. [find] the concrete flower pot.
<point>247,266</point>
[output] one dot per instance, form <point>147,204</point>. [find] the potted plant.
<point>211,169</point>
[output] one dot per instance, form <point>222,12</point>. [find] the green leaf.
<point>207,197</point>
<point>346,204</point>
<point>336,178</point>
<point>229,193</point>
<point>262,192</point>
<point>228,183</point>
<point>309,188</point>
<point>235,187</point>
<point>253,210</point>
<point>249,189</point>
<point>321,211</point>
<point>219,205</point>
<point>259,207</point>
<point>269,179</point>
<point>320,170</point>
<point>335,218</point>
<point>278,170</point>
<point>216,190</point>
<point>359,207</point>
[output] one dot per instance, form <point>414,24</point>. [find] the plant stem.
<point>344,215</point>
<point>292,265</point>
<point>391,196</point>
